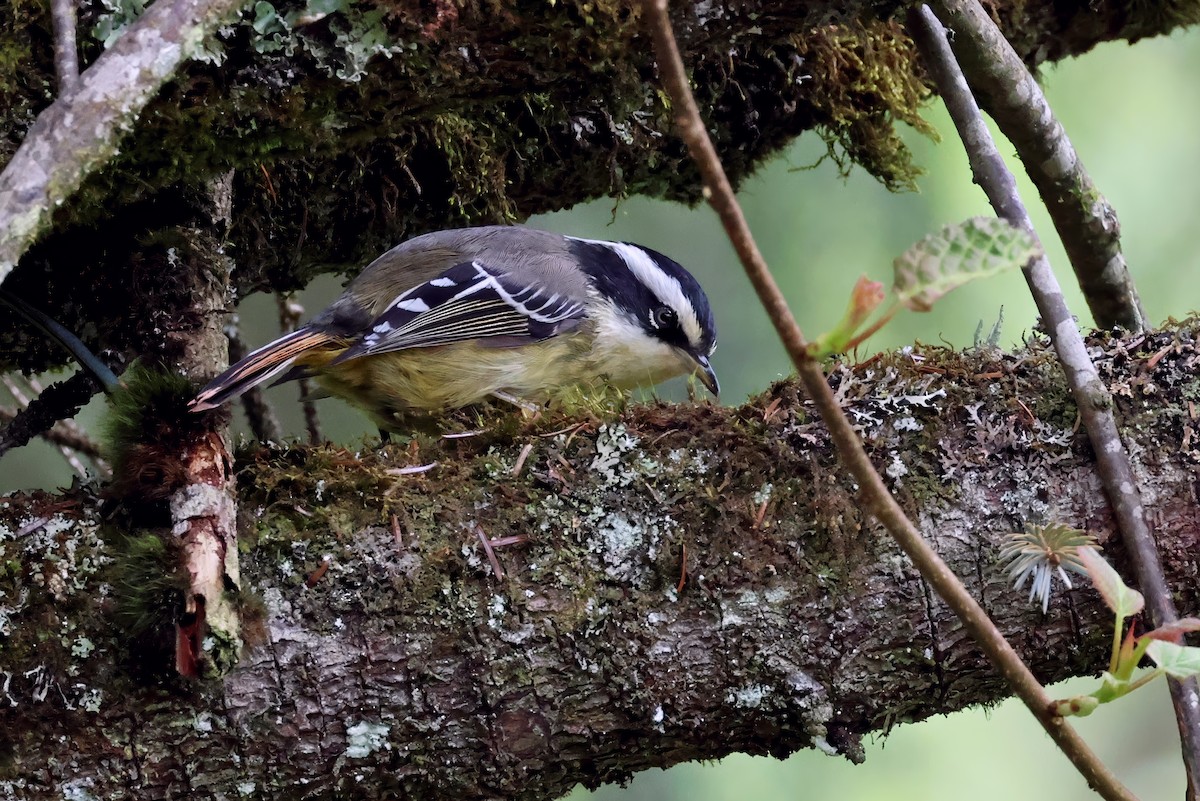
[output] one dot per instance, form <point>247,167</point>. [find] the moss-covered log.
<point>693,581</point>
<point>349,125</point>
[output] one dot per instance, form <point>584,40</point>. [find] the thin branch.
<point>70,440</point>
<point>290,312</point>
<point>80,131</point>
<point>312,423</point>
<point>66,53</point>
<point>1091,396</point>
<point>259,413</point>
<point>59,401</point>
<point>66,432</point>
<point>879,501</point>
<point>1086,222</point>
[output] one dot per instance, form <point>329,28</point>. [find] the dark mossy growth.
<point>1158,16</point>
<point>149,584</point>
<point>865,77</point>
<point>147,425</point>
<point>9,769</point>
<point>252,612</point>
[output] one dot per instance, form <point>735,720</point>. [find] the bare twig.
<point>259,413</point>
<point>1091,395</point>
<point>497,570</point>
<point>411,470</point>
<point>1086,223</point>
<point>290,313</point>
<point>81,130</point>
<point>875,494</point>
<point>66,54</point>
<point>520,463</point>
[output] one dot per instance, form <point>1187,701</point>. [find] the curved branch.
<point>80,131</point>
<point>876,497</point>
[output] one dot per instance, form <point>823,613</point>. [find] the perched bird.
<point>454,317</point>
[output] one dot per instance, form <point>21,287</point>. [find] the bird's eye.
<point>663,317</point>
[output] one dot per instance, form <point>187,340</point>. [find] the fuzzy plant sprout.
<point>1041,552</point>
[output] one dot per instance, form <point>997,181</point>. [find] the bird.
<point>455,317</point>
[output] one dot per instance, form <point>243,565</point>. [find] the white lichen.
<point>624,543</point>
<point>61,554</point>
<point>77,790</point>
<point>613,443</point>
<point>824,746</point>
<point>692,462</point>
<point>364,738</point>
<point>90,699</point>
<point>496,611</point>
<point>749,697</point>
<point>82,648</point>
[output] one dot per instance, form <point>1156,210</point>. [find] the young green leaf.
<point>1179,661</point>
<point>1111,688</point>
<point>864,299</point>
<point>977,248</point>
<point>1125,602</point>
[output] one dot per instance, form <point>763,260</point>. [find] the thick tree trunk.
<point>696,581</point>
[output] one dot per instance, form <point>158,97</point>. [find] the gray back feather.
<point>540,254</point>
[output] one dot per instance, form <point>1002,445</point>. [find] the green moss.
<point>147,419</point>
<point>865,78</point>
<point>148,583</point>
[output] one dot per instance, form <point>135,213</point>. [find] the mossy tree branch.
<point>467,117</point>
<point>392,661</point>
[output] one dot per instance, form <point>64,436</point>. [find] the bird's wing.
<point>469,301</point>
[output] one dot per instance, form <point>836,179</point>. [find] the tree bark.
<point>696,581</point>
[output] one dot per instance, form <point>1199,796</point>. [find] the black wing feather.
<point>469,301</point>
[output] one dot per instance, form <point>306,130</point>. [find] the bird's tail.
<point>264,363</point>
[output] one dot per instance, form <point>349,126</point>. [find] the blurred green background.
<point>1127,111</point>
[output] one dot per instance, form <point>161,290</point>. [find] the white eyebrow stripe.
<point>665,287</point>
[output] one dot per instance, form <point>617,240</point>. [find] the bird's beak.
<point>706,373</point>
